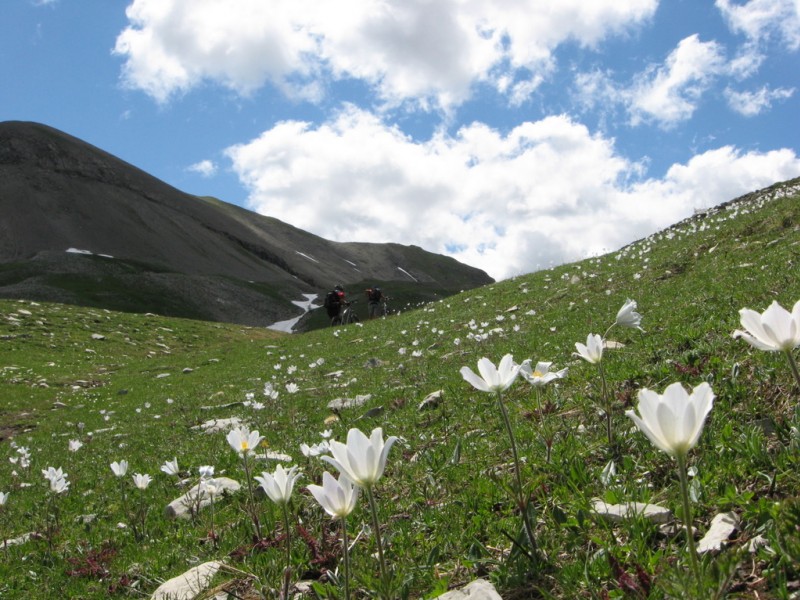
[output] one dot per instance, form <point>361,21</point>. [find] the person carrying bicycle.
<point>334,301</point>
<point>375,298</point>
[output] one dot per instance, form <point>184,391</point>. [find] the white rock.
<point>219,425</point>
<point>98,336</point>
<point>721,528</point>
<point>341,403</point>
<point>432,400</point>
<point>480,589</point>
<point>189,584</point>
<point>17,540</point>
<point>619,512</point>
<point>180,508</point>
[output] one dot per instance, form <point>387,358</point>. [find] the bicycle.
<point>346,316</point>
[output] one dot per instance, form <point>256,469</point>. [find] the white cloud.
<point>751,103</point>
<point>760,20</point>
<point>205,168</point>
<point>407,50</point>
<point>544,193</point>
<point>670,94</point>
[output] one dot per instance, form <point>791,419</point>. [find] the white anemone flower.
<point>141,481</point>
<point>206,472</point>
<point>363,459</point>
<point>593,350</point>
<point>492,379</point>
<point>244,441</point>
<point>119,468</point>
<point>541,375</point>
<point>171,467</point>
<point>74,445</point>
<point>337,498</point>
<point>673,421</point>
<point>628,317</point>
<point>4,498</point>
<point>280,484</point>
<point>776,329</point>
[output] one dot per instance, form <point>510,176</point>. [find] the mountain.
<point>81,226</point>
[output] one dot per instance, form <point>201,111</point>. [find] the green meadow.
<point>135,387</point>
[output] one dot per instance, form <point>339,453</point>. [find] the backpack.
<point>374,295</point>
<point>331,299</point>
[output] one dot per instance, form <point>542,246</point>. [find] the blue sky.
<point>512,136</point>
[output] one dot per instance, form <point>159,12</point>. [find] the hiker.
<point>374,299</point>
<point>334,300</point>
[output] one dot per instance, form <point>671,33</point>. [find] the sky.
<point>512,136</point>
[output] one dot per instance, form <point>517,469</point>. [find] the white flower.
<point>492,379</point>
<point>337,498</point>
<point>142,481</point>
<point>774,329</point>
<point>628,317</point>
<point>206,472</point>
<point>59,486</point>
<point>362,459</point>
<point>593,350</point>
<point>315,449</point>
<point>280,484</point>
<point>50,473</point>
<point>171,467</point>
<point>4,498</point>
<point>673,421</point>
<point>75,445</point>
<point>120,468</point>
<point>292,388</point>
<point>541,375</point>
<point>244,441</point>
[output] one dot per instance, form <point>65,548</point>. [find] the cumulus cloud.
<point>430,53</point>
<point>205,168</point>
<point>762,20</point>
<point>543,193</point>
<point>670,93</point>
<point>751,103</point>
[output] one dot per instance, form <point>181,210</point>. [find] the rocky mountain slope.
<point>80,226</point>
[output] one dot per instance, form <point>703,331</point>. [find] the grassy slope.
<point>442,500</point>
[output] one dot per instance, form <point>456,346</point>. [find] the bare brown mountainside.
<point>157,249</point>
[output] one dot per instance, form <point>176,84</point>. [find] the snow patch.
<point>312,259</point>
<point>306,305</point>
<point>401,269</point>
<point>86,252</point>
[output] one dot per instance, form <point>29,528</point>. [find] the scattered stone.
<point>219,425</point>
<point>98,336</point>
<point>59,404</point>
<point>432,400</point>
<point>180,508</point>
<point>612,345</point>
<point>188,370</point>
<point>218,406</point>
<point>373,362</point>
<point>188,585</point>
<point>480,589</point>
<point>162,375</point>
<point>270,455</point>
<point>722,527</point>
<point>25,537</point>
<point>759,542</point>
<point>334,374</point>
<point>371,413</point>
<point>85,519</point>
<point>342,403</point>
<point>619,512</point>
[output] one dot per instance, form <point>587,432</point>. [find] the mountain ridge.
<point>58,192</point>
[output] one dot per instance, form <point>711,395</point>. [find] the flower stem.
<point>287,572</point>
<point>252,502</point>
<point>346,554</point>
<point>523,506</point>
<point>606,405</point>
<point>376,524</point>
<point>687,515</point>
<point>793,364</point>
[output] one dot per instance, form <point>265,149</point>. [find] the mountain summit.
<point>81,226</point>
